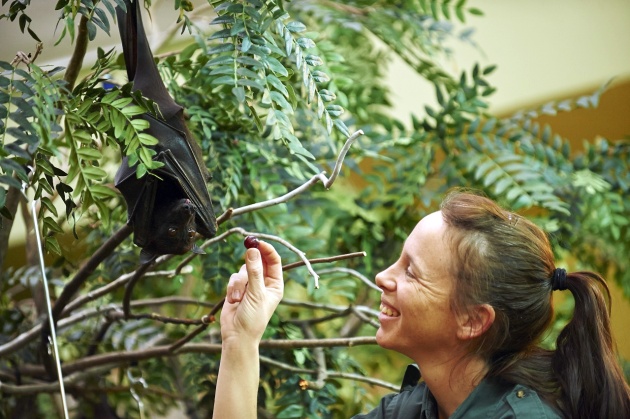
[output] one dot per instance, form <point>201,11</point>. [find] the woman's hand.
<point>253,294</point>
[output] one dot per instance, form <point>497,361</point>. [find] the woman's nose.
<point>385,280</point>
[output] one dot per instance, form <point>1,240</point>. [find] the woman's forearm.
<point>237,383</point>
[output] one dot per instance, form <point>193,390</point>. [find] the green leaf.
<point>275,66</point>
<point>313,60</point>
<point>88,153</point>
<point>296,27</point>
<point>224,80</point>
<point>334,110</point>
<point>246,44</point>
<point>221,48</point>
<point>277,84</point>
<point>306,43</point>
<point>94,173</point>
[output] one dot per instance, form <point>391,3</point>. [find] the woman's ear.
<point>475,321</point>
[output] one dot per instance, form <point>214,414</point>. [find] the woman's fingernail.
<point>253,255</point>
<point>236,295</point>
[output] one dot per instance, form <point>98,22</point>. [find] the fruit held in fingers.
<point>251,242</point>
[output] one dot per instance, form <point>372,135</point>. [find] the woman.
<point>468,300</point>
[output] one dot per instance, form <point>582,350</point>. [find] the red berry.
<point>251,241</point>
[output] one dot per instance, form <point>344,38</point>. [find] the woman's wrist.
<point>240,344</point>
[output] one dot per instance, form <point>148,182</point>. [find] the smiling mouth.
<point>389,311</point>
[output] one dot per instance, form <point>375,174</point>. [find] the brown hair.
<point>506,261</point>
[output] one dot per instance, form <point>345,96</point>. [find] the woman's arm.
<point>252,296</point>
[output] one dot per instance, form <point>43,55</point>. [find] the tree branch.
<point>11,202</point>
<point>80,48</point>
<point>330,374</point>
<point>286,197</point>
<point>123,357</point>
<point>353,273</point>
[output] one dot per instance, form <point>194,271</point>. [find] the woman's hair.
<point>506,261</point>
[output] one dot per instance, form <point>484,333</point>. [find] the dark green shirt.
<point>491,399</point>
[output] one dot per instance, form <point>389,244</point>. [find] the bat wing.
<point>184,165</point>
<point>140,197</point>
<point>184,172</point>
<point>183,175</point>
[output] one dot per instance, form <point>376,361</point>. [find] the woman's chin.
<point>382,339</point>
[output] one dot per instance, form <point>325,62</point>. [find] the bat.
<point>170,205</point>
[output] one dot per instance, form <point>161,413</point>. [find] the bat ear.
<point>147,256</point>
<point>196,249</point>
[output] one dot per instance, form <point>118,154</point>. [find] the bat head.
<point>173,230</point>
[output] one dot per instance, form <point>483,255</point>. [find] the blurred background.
<point>544,51</point>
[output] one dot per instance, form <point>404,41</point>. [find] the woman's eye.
<point>408,273</point>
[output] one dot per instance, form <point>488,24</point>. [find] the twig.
<point>353,273</point>
<point>28,59</point>
<point>324,260</point>
<point>205,320</point>
<point>364,318</point>
<point>139,273</point>
<point>123,357</point>
<point>313,180</point>
<point>320,360</point>
<point>330,374</point>
<point>323,319</point>
<point>341,157</point>
<point>168,33</point>
<point>86,270</point>
<point>73,286</point>
<point>71,380</point>
<point>119,282</point>
<point>210,317</point>
<point>26,337</point>
<point>270,237</point>
<point>315,306</point>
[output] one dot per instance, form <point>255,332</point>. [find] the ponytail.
<point>592,384</point>
<point>505,260</point>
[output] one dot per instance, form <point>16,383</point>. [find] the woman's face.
<point>416,316</point>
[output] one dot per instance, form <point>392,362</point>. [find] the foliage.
<point>272,90</point>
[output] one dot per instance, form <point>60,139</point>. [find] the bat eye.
<point>172,232</point>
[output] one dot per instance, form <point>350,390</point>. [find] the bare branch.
<point>330,374</point>
<point>123,357</point>
<point>320,360</point>
<point>324,260</point>
<point>23,339</point>
<point>122,280</point>
<point>73,286</point>
<point>129,286</point>
<point>313,180</point>
<point>354,273</point>
<point>210,317</point>
<point>163,36</point>
<point>329,307</point>
<point>342,155</point>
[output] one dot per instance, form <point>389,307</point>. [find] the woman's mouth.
<point>388,311</point>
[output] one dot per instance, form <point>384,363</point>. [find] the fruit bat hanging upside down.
<point>167,207</point>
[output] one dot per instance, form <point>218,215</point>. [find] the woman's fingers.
<point>272,261</point>
<point>237,286</point>
<point>263,268</point>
